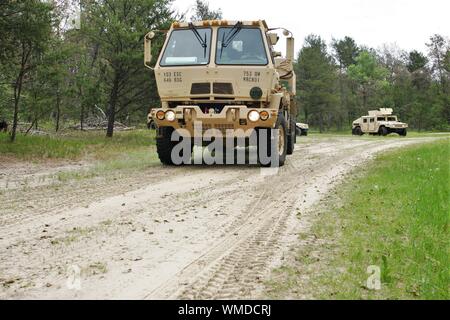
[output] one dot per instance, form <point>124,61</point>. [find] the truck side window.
<point>365,120</point>
<point>372,120</point>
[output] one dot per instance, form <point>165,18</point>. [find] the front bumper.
<point>398,127</point>
<point>231,119</point>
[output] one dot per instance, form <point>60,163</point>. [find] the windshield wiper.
<point>226,40</point>
<point>199,38</point>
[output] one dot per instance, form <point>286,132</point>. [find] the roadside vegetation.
<point>393,215</point>
<point>75,145</point>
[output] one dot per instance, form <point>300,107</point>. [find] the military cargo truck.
<point>226,76</point>
<point>381,122</point>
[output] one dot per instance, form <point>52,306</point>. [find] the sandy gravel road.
<point>188,232</point>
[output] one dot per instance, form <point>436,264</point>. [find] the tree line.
<point>337,84</point>
<point>63,67</point>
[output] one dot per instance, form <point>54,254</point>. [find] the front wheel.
<point>403,132</point>
<point>275,140</point>
<point>165,146</point>
<point>383,131</point>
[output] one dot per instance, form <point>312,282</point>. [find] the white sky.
<point>407,23</point>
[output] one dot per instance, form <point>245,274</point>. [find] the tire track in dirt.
<point>190,232</point>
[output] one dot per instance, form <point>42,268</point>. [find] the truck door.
<point>372,124</point>
<point>365,125</point>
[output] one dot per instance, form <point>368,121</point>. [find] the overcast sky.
<point>407,23</point>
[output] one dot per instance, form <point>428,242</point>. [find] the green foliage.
<point>416,61</point>
<point>346,51</point>
<point>203,12</point>
<point>65,75</point>
<point>316,74</point>
<point>76,145</point>
<point>413,85</point>
<point>27,26</point>
<point>393,216</point>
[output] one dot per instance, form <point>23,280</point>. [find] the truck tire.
<point>291,139</point>
<point>304,132</point>
<point>383,131</point>
<point>165,145</point>
<point>403,132</point>
<point>280,143</point>
<point>358,131</point>
<point>151,125</point>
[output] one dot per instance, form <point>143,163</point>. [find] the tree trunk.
<point>81,109</point>
<point>365,99</point>
<point>321,123</point>
<point>17,93</point>
<point>112,107</point>
<point>58,108</point>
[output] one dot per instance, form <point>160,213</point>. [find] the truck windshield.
<point>246,47</point>
<point>392,118</point>
<point>185,49</point>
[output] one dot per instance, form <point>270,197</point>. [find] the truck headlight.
<point>253,116</point>
<point>160,115</point>
<point>170,116</point>
<point>264,115</point>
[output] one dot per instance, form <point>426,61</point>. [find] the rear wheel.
<point>291,139</point>
<point>357,131</point>
<point>383,131</point>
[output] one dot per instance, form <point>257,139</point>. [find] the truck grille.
<point>201,88</point>
<point>223,88</point>
<point>221,127</point>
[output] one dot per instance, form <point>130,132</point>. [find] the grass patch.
<point>76,145</point>
<point>394,216</point>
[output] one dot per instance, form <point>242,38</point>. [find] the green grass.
<point>76,145</point>
<point>393,215</point>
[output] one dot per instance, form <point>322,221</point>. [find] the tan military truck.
<point>226,76</point>
<point>302,129</point>
<point>381,122</point>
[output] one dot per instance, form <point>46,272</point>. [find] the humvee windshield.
<point>392,119</point>
<point>185,49</point>
<point>240,47</point>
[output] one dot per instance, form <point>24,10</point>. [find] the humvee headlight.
<point>160,115</point>
<point>253,116</point>
<point>170,116</point>
<point>264,115</point>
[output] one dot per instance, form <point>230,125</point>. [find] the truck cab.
<point>226,76</point>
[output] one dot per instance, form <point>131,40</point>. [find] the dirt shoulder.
<point>188,232</point>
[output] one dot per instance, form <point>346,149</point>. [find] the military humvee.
<point>302,129</point>
<point>380,122</point>
<point>227,76</point>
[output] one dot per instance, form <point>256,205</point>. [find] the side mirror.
<point>276,54</point>
<point>148,49</point>
<point>273,38</point>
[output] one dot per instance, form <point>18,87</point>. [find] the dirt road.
<point>188,232</point>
